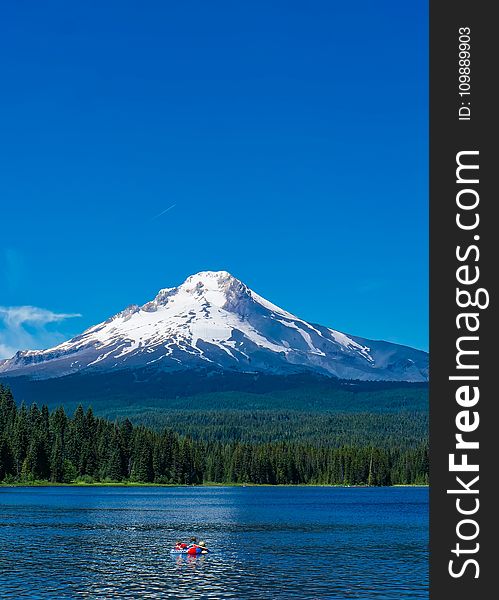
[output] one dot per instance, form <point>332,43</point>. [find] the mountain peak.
<point>211,280</point>
<point>217,288</point>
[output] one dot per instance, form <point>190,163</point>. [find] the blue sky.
<point>289,137</point>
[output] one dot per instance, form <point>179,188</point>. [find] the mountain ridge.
<point>214,321</point>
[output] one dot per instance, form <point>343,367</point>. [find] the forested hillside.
<point>122,393</point>
<point>39,445</point>
<point>386,430</point>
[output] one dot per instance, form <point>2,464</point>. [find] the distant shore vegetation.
<point>40,446</point>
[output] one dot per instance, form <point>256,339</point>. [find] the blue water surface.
<point>285,542</point>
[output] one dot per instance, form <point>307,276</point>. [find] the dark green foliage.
<point>125,392</point>
<point>36,445</point>
<point>405,429</point>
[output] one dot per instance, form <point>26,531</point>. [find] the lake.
<point>266,543</point>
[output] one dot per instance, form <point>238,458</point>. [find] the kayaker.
<point>180,545</point>
<point>193,546</point>
<point>196,548</point>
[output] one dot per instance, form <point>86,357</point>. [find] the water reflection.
<point>307,543</point>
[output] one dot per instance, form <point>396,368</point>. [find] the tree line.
<point>41,445</point>
<point>338,428</point>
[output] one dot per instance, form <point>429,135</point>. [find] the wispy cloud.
<point>164,211</point>
<point>25,327</point>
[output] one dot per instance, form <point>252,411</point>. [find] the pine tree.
<point>57,460</point>
<point>20,438</point>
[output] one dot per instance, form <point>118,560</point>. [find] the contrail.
<point>164,211</point>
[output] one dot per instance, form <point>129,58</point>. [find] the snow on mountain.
<point>213,320</point>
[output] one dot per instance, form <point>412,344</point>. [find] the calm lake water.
<point>286,542</point>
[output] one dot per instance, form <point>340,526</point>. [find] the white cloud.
<point>24,328</point>
<point>6,351</point>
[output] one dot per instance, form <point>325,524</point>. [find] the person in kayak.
<point>180,545</point>
<point>193,546</point>
<point>196,548</point>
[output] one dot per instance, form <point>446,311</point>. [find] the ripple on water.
<point>307,543</point>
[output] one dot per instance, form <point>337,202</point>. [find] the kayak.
<point>190,552</point>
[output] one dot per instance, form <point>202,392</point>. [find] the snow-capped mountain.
<point>215,321</point>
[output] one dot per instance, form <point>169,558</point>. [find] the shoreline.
<point>120,484</point>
